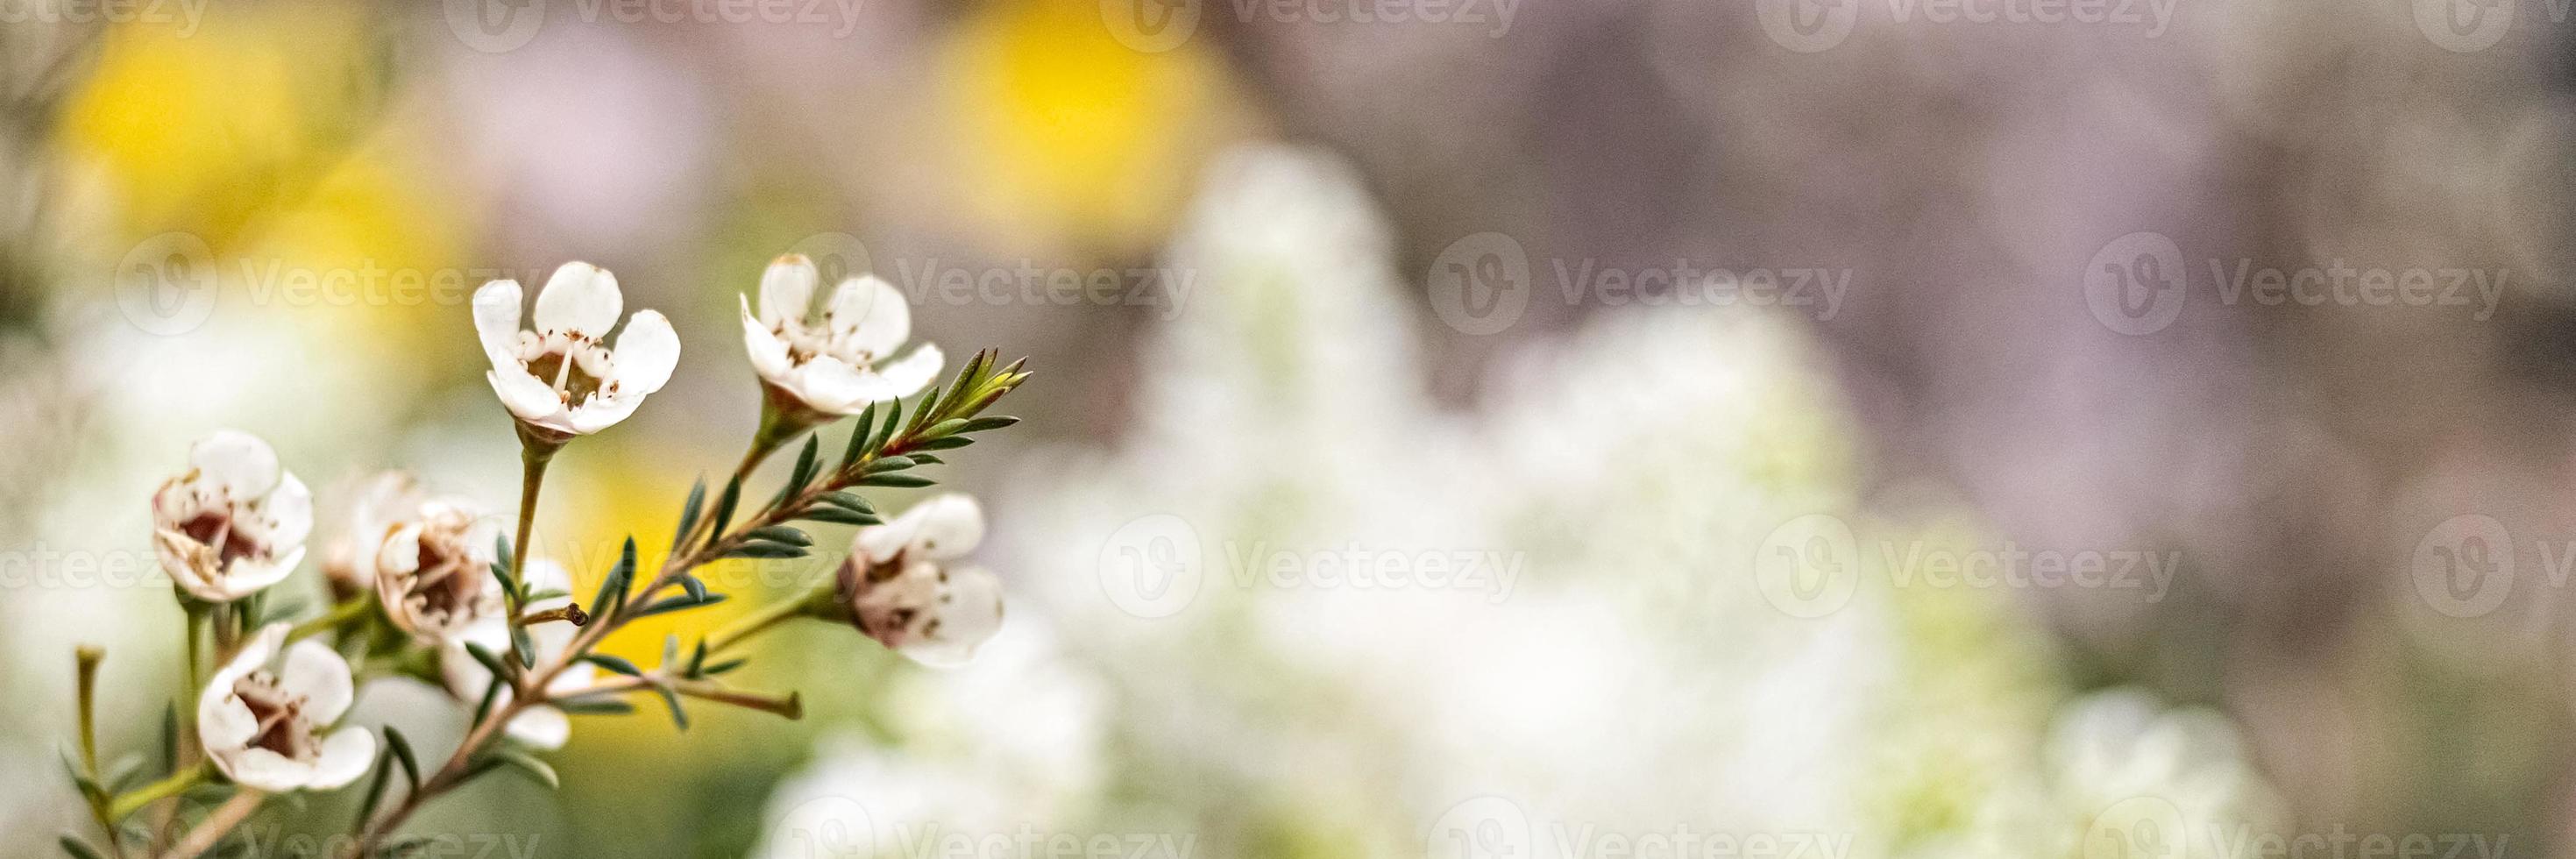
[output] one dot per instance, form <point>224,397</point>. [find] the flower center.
<point>806,342</point>
<point>447,584</point>
<point>215,528</point>
<point>571,376</point>
<point>282,727</point>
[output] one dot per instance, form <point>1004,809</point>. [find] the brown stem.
<point>218,824</point>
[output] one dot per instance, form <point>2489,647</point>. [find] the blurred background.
<point>1463,428</point>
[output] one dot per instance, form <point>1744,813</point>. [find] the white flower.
<point>900,592</point>
<point>235,523</point>
<point>543,726</point>
<point>560,377</point>
<point>263,719</point>
<point>429,560</point>
<point>839,364</point>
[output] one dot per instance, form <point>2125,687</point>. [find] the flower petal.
<point>581,299</point>
<point>969,612</point>
<point>948,526</point>
<point>908,376</point>
<point>768,353</point>
<point>346,755</point>
<point>870,316</point>
<point>599,413</point>
<point>317,672</point>
<point>527,398</point>
<point>787,289</point>
<point>496,321</point>
<point>288,511</point>
<point>260,768</point>
<point>236,461</point>
<point>645,354</point>
<point>541,728</point>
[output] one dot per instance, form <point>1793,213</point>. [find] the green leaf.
<point>859,431</point>
<point>988,423</point>
<point>884,434</point>
<point>897,481</point>
<point>722,667</point>
<point>595,707</point>
<point>170,738</point>
<point>77,848</point>
<point>782,534</point>
<point>689,512</point>
<point>524,646</point>
<point>697,658</point>
<point>612,590</point>
<point>613,663</point>
<point>484,655</point>
<point>679,716</point>
<point>527,763</point>
<point>697,589</point>
<point>402,753</point>
<point>943,443</point>
<point>926,459</point>
<point>891,463</point>
<point>848,500</point>
<point>837,515</point>
<point>757,549</point>
<point>376,787</point>
<point>943,428</point>
<point>724,510</point>
<point>501,569</point>
<point>677,603</point>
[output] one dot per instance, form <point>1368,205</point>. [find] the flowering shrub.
<point>426,586</point>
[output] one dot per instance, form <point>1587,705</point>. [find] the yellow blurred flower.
<point>1071,135</point>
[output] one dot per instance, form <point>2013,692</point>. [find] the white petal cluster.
<point>234,523</point>
<point>265,718</point>
<point>841,361</point>
<point>562,377</point>
<point>428,559</point>
<point>901,590</point>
